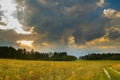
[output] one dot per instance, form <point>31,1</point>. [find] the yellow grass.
<point>48,70</point>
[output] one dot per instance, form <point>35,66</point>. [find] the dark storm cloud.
<point>114,32</point>
<point>10,37</point>
<point>85,35</point>
<point>60,19</point>
<point>7,37</point>
<point>1,23</point>
<point>114,35</point>
<point>112,17</point>
<point>57,17</point>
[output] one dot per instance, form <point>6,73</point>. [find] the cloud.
<point>71,41</point>
<point>107,41</point>
<point>7,19</point>
<point>98,41</point>
<point>101,3</point>
<point>48,3</point>
<point>45,44</point>
<point>71,9</point>
<point>102,44</point>
<point>57,21</point>
<point>113,32</point>
<point>111,13</point>
<point>25,43</point>
<point>44,2</point>
<point>9,38</point>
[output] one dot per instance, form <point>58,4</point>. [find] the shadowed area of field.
<point>53,70</point>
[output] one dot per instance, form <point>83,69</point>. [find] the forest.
<point>12,53</point>
<point>101,56</point>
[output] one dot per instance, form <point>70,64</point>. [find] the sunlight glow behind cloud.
<point>25,43</point>
<point>8,9</point>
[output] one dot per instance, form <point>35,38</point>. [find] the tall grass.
<point>48,70</point>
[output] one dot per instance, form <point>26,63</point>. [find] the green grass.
<point>48,70</point>
<point>113,74</point>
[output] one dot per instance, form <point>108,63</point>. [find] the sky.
<point>78,27</point>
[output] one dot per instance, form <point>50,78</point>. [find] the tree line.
<point>103,56</point>
<point>12,53</point>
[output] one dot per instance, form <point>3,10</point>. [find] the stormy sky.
<point>76,26</point>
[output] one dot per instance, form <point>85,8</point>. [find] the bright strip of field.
<point>107,74</point>
<point>113,73</point>
<point>115,70</point>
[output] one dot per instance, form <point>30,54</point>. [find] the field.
<point>48,70</point>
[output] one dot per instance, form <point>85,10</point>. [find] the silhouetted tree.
<point>104,56</point>
<point>12,53</point>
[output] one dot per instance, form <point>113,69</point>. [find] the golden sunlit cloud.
<point>25,43</point>
<point>106,47</point>
<point>99,40</point>
<point>96,43</point>
<point>71,40</point>
<point>45,44</point>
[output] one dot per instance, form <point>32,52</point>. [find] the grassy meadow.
<point>53,70</point>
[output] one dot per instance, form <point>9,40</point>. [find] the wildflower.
<point>18,76</point>
<point>30,72</point>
